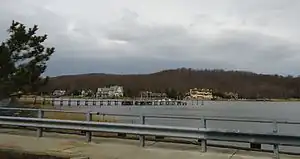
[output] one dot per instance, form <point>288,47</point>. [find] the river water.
<point>288,111</point>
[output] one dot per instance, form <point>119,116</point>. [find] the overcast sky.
<point>143,36</point>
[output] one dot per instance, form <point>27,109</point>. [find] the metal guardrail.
<point>142,130</point>
<point>166,116</point>
<point>228,137</point>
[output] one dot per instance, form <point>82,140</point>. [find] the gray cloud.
<point>259,36</point>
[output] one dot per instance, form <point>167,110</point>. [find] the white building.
<point>110,92</point>
<point>85,93</point>
<point>59,92</point>
<point>201,93</point>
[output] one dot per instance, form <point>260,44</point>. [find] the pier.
<point>108,102</point>
<point>113,102</point>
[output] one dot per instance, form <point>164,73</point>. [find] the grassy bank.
<point>31,101</point>
<point>73,116</point>
<point>77,116</point>
<point>68,116</point>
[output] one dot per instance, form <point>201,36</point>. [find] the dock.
<point>112,102</point>
<point>107,102</point>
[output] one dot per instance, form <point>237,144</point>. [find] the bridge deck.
<point>108,148</point>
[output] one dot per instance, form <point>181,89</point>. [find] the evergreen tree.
<point>171,93</point>
<point>23,59</point>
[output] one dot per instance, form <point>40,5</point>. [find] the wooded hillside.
<point>246,84</point>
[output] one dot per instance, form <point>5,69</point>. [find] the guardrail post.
<point>44,101</point>
<point>88,134</point>
<point>34,101</point>
<point>203,142</point>
<point>142,137</point>
<point>275,146</point>
<point>39,131</point>
<point>69,102</point>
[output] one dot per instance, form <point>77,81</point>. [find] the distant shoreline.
<point>231,100</point>
<point>258,100</point>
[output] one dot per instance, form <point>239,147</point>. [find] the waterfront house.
<point>152,95</point>
<point>197,93</point>
<point>231,95</point>
<point>110,92</point>
<point>58,93</point>
<point>86,93</point>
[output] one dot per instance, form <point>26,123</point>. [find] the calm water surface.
<point>289,111</point>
